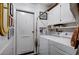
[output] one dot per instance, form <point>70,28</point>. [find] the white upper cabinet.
<point>54,15</point>
<point>60,14</point>
<point>65,13</point>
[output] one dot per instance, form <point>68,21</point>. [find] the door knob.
<point>32,31</point>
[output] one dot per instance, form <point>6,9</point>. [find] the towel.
<point>75,38</point>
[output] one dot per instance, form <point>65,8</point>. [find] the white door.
<point>25,42</point>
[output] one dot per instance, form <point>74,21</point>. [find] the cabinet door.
<point>54,50</point>
<point>65,13</point>
<point>54,15</point>
<point>43,46</point>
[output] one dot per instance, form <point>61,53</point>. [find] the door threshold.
<point>28,53</point>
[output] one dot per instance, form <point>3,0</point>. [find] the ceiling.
<point>45,4</point>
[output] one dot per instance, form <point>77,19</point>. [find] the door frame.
<point>16,28</point>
